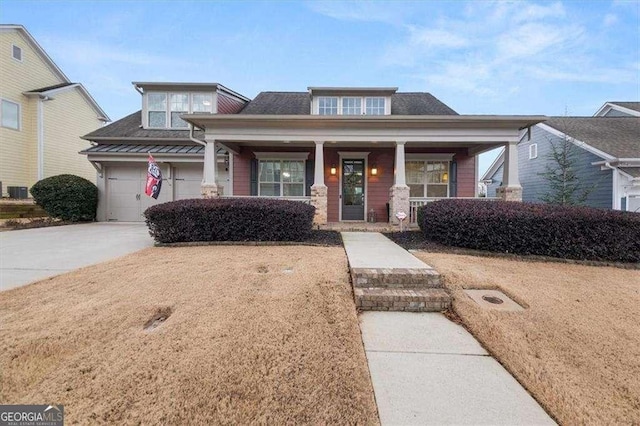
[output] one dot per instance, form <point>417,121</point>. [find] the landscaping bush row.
<point>526,228</point>
<point>67,197</point>
<point>230,219</point>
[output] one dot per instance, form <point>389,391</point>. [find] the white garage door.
<point>126,200</point>
<point>188,179</point>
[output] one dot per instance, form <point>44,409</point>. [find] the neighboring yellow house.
<point>42,115</point>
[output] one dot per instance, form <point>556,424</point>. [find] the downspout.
<point>616,197</point>
<point>193,138</point>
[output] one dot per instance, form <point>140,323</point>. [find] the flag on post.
<point>154,179</point>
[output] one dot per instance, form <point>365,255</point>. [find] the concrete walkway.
<point>426,369</point>
<point>33,254</point>
<point>374,250</point>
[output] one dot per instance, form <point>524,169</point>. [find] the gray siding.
<point>534,186</point>
<point>496,181</point>
<point>616,113</point>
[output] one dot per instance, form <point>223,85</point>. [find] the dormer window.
<point>375,106</point>
<point>165,108</point>
<point>351,106</point>
<point>328,105</point>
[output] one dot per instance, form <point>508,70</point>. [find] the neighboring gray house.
<point>608,159</point>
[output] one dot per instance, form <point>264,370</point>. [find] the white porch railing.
<point>305,200</point>
<point>415,202</point>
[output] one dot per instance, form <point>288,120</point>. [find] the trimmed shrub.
<point>570,232</point>
<point>67,197</point>
<point>230,219</point>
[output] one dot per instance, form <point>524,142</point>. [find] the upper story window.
<point>10,114</point>
<point>351,106</point>
<point>375,106</point>
<point>164,109</point>
<point>533,151</point>
<point>327,105</point>
<point>16,52</point>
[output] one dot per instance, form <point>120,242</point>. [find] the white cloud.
<point>435,38</point>
<point>379,11</point>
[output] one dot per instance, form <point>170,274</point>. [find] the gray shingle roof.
<point>299,103</point>
<point>130,127</point>
<point>632,171</point>
<point>631,105</point>
<point>143,149</point>
<point>616,136</point>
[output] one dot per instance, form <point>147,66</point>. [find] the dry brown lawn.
<point>255,335</point>
<point>576,347</point>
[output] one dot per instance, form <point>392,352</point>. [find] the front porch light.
<point>445,177</point>
<point>374,170</point>
<point>333,170</point>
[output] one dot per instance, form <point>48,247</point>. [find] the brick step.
<point>413,300</point>
<point>409,278</point>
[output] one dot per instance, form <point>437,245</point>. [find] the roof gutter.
<point>193,138</point>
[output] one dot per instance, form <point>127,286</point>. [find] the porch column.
<point>209,189</point>
<point>510,190</point>
<point>399,192</point>
<point>319,189</point>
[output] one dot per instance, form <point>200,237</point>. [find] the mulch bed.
<point>316,238</point>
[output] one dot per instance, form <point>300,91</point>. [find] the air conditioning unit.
<point>18,192</point>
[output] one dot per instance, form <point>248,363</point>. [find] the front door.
<point>353,189</point>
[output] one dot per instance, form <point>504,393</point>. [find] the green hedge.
<point>67,197</point>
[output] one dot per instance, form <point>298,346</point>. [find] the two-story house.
<point>42,116</point>
<point>606,156</point>
<point>356,154</point>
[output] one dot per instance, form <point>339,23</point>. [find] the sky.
<point>478,57</point>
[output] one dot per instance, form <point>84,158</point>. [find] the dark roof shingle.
<point>130,127</point>
<point>616,136</point>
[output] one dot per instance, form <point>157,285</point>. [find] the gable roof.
<point>130,128</point>
<point>624,107</point>
<point>493,168</point>
<point>299,103</point>
<point>54,68</point>
<point>618,137</point>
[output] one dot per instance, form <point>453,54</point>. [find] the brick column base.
<point>319,201</point>
<point>209,191</point>
<point>513,193</point>
<point>398,201</point>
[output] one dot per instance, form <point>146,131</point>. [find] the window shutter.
<point>453,179</point>
<point>309,175</point>
<point>254,177</point>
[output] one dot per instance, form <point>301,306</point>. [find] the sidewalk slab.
<point>416,332</point>
<point>427,370</point>
<point>374,250</point>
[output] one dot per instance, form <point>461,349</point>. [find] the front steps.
<point>399,289</point>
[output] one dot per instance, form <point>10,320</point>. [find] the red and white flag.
<point>154,179</point>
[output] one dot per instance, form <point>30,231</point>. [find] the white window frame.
<point>168,106</point>
<point>282,183</point>
<point>338,104</point>
<point>384,106</point>
<point>341,106</point>
<point>13,47</point>
<point>533,151</point>
<point>19,128</point>
<point>445,158</point>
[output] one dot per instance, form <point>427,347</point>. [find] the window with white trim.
<point>179,106</point>
<point>165,108</point>
<point>427,178</point>
<point>157,109</point>
<point>281,178</point>
<point>10,114</point>
<point>327,105</point>
<point>374,106</point>
<point>351,106</point>
<point>16,52</point>
<point>533,151</point>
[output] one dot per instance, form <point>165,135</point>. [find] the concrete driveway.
<point>33,254</point>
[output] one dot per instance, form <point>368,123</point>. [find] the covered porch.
<point>359,169</point>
